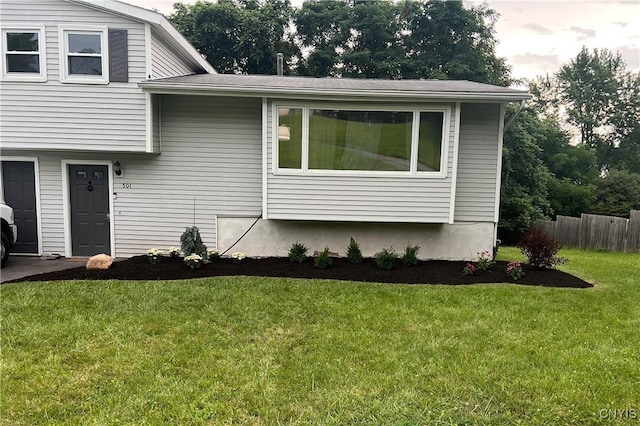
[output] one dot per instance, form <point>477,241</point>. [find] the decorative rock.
<point>99,261</point>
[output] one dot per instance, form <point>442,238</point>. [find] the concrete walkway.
<point>23,266</point>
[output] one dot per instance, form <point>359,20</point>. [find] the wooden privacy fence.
<point>594,231</point>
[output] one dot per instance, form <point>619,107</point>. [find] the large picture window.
<point>85,56</point>
<point>345,139</point>
<point>23,54</point>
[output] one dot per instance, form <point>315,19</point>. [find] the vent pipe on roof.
<point>280,62</point>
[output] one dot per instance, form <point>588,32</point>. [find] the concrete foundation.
<point>460,241</point>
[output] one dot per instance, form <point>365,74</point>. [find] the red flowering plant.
<point>514,270</point>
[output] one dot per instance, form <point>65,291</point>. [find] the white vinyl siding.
<point>164,60</point>
<point>53,115</point>
<point>477,162</point>
<point>211,154</point>
<point>393,197</point>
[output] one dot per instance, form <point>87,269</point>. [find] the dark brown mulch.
<point>426,272</point>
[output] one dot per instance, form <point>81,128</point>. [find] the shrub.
<point>386,259</point>
<point>354,254</point>
<point>322,260</point>
<point>469,269</point>
<point>212,254</point>
<point>191,243</point>
<point>484,261</point>
<point>409,257</point>
<point>297,252</point>
<point>193,261</point>
<point>514,270</point>
<point>540,248</point>
<point>154,255</point>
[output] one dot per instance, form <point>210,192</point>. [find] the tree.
<point>241,36</point>
<point>382,39</point>
<point>525,178</point>
<point>618,193</point>
<point>601,100</point>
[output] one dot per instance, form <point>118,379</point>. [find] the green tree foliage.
<point>238,36</point>
<point>525,177</point>
<point>618,193</point>
<point>382,39</point>
<point>602,100</point>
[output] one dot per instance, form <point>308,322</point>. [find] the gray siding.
<point>53,115</point>
<point>359,198</point>
<point>477,162</point>
<point>211,153</point>
<point>164,60</point>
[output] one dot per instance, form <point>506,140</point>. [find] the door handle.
<point>107,217</point>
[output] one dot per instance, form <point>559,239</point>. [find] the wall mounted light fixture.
<point>117,168</point>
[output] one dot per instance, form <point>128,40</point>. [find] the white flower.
<point>174,251</point>
<point>193,258</point>
<point>154,252</point>
<point>212,252</point>
<point>238,255</point>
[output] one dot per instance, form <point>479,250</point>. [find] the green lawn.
<point>268,351</point>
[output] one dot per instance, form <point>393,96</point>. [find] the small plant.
<point>193,261</point>
<point>322,260</point>
<point>386,259</point>
<point>213,254</point>
<point>484,261</point>
<point>469,269</point>
<point>297,252</point>
<point>541,249</point>
<point>174,252</point>
<point>514,270</point>
<point>354,254</point>
<point>238,257</point>
<point>190,242</point>
<point>409,257</point>
<point>155,255</point>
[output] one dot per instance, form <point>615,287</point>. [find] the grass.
<point>268,351</point>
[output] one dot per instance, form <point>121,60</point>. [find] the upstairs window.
<point>84,56</point>
<point>349,139</point>
<point>23,54</point>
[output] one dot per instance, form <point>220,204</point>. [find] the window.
<point>23,54</point>
<point>84,56</point>
<point>358,139</point>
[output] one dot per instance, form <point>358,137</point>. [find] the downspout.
<point>513,118</point>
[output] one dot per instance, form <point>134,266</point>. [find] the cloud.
<point>583,32</point>
<point>622,24</point>
<point>535,59</point>
<point>631,55</point>
<point>538,29</point>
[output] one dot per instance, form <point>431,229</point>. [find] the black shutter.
<point>118,56</point>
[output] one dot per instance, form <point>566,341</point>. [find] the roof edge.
<point>258,91</point>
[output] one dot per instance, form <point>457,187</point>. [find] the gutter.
<point>257,91</point>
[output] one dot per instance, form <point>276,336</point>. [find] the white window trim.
<point>64,47</point>
<point>412,172</point>
<point>42,49</point>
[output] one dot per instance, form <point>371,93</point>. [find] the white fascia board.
<point>253,91</point>
<point>156,19</point>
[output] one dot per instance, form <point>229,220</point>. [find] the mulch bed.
<point>426,272</point>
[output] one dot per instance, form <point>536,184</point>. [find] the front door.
<point>89,201</point>
<point>19,185</point>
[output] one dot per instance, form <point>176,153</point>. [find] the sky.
<point>537,37</point>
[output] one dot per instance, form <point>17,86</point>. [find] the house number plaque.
<point>126,186</point>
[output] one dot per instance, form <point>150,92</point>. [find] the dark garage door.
<point>18,178</point>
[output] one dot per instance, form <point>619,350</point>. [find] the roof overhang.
<point>157,21</point>
<point>310,88</point>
